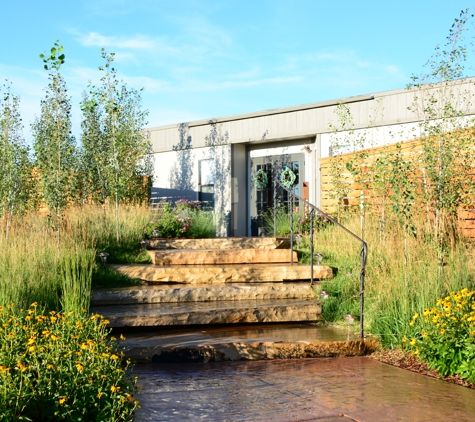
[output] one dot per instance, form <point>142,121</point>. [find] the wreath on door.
<point>287,178</point>
<point>260,179</point>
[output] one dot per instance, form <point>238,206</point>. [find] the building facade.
<point>217,161</point>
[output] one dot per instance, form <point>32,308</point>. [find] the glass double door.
<point>289,167</point>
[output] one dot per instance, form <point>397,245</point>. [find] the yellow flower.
<point>53,319</point>
<point>99,394</point>
<point>34,305</point>
<point>115,389</point>
<point>80,367</point>
<point>413,341</point>
<point>411,323</point>
<point>4,368</point>
<point>122,337</point>
<point>50,366</point>
<point>54,337</point>
<point>114,357</point>
<point>31,349</point>
<point>62,400</point>
<point>415,316</point>
<point>22,367</point>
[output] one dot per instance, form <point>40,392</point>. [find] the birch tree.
<point>54,144</point>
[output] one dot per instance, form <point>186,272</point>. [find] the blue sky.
<point>200,59</point>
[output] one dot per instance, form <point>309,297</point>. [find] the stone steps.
<point>204,313</point>
<point>221,256</point>
<point>241,342</point>
<point>166,293</point>
<point>222,243</point>
<point>209,274</point>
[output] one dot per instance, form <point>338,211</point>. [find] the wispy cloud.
<point>94,39</point>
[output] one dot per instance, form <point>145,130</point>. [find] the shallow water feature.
<point>324,389</point>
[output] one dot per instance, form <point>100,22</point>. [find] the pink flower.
<point>297,209</point>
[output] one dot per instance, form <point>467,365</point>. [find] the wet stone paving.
<point>323,389</point>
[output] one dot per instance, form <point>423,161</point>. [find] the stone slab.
<point>164,293</point>
<point>242,342</point>
<point>221,256</point>
<point>251,351</point>
<point>203,274</point>
<point>222,243</point>
<point>203,313</point>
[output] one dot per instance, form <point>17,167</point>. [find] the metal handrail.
<point>314,210</point>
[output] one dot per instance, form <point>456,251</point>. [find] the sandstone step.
<point>221,256</point>
<point>202,313</point>
<point>222,243</point>
<point>207,274</point>
<point>238,342</point>
<point>164,293</point>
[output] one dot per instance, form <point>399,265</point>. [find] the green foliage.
<point>34,268</point>
<point>15,166</point>
<point>447,155</point>
<point>61,367</point>
<point>402,277</point>
<point>185,220</point>
<point>301,221</point>
<point>54,146</point>
<point>116,148</point>
<point>344,139</point>
<point>444,335</point>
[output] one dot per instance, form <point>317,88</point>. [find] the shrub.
<point>185,219</point>
<point>444,336</point>
<point>301,221</point>
<point>61,367</point>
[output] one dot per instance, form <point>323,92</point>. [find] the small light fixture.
<point>350,319</point>
<point>144,244</point>
<point>325,295</point>
<point>318,258</point>
<point>155,233</point>
<point>298,239</point>
<point>103,256</point>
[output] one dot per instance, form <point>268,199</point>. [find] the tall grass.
<point>34,268</point>
<point>403,275</point>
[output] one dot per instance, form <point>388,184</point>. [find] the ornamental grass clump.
<point>61,367</point>
<point>444,336</point>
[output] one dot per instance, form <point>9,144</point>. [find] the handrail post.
<point>275,208</point>
<point>364,246</point>
<point>291,212</point>
<point>312,215</point>
<point>364,254</point>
